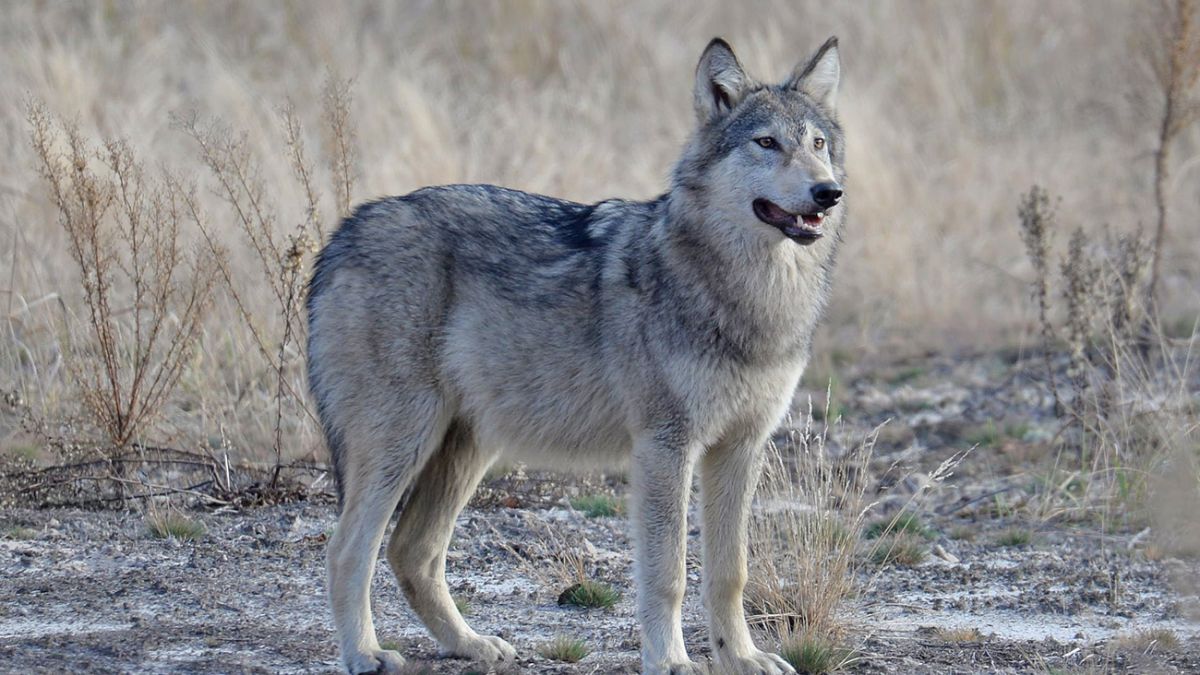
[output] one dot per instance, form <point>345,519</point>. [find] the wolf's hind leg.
<point>376,471</point>
<point>417,549</point>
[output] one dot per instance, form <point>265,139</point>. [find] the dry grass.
<point>1148,641</point>
<point>807,557</point>
<point>809,517</point>
<point>562,562</point>
<point>281,258</point>
<point>174,525</point>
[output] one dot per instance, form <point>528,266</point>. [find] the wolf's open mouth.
<point>802,228</point>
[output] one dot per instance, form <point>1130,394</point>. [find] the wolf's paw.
<point>754,663</point>
<point>380,662</point>
<point>672,668</point>
<point>488,648</point>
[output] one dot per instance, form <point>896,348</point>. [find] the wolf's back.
<point>452,283</point>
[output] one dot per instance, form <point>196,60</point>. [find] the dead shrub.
<point>144,293</point>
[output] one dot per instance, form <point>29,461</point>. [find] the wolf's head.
<point>766,160</point>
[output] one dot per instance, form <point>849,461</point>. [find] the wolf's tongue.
<point>776,213</point>
<point>812,220</point>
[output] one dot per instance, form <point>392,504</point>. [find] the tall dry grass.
<point>951,110</point>
<point>809,518</point>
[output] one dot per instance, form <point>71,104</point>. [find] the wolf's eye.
<point>767,142</point>
<point>818,143</point>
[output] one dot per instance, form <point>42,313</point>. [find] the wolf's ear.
<point>720,81</point>
<point>819,77</point>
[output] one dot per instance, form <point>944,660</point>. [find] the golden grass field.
<point>952,110</point>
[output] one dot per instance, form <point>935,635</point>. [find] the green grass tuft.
<point>462,605</point>
<point>565,649</point>
<point>28,453</point>
<point>1014,537</point>
<point>905,522</point>
<point>824,530</point>
<point>985,435</point>
<point>906,375</point>
<point>963,533</point>
<point>172,525</point>
<point>598,506</point>
<point>19,533</point>
<point>590,595</point>
<point>814,655</point>
<point>903,549</point>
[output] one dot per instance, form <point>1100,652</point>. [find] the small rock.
<point>944,554</point>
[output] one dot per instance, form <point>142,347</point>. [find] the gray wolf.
<point>459,324</point>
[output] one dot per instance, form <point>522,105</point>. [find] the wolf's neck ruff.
<point>755,291</point>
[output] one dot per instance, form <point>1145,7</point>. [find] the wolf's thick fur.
<point>458,324</point>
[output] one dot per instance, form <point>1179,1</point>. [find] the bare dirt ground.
<point>94,591</point>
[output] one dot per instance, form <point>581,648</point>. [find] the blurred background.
<point>953,110</point>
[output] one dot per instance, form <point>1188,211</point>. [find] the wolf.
<point>459,324</point>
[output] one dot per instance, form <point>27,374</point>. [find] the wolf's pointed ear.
<point>720,81</point>
<point>819,77</point>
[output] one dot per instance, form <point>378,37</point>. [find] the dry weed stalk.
<point>1125,414</point>
<point>1080,276</point>
<point>1037,226</point>
<point>283,259</point>
<point>145,299</point>
<point>1178,73</point>
<point>341,139</point>
<point>1102,290</point>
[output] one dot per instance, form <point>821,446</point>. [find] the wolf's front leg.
<point>662,478</point>
<point>728,476</point>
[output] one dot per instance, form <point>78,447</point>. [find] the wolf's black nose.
<point>826,194</point>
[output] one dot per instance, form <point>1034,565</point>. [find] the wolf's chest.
<point>717,396</point>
